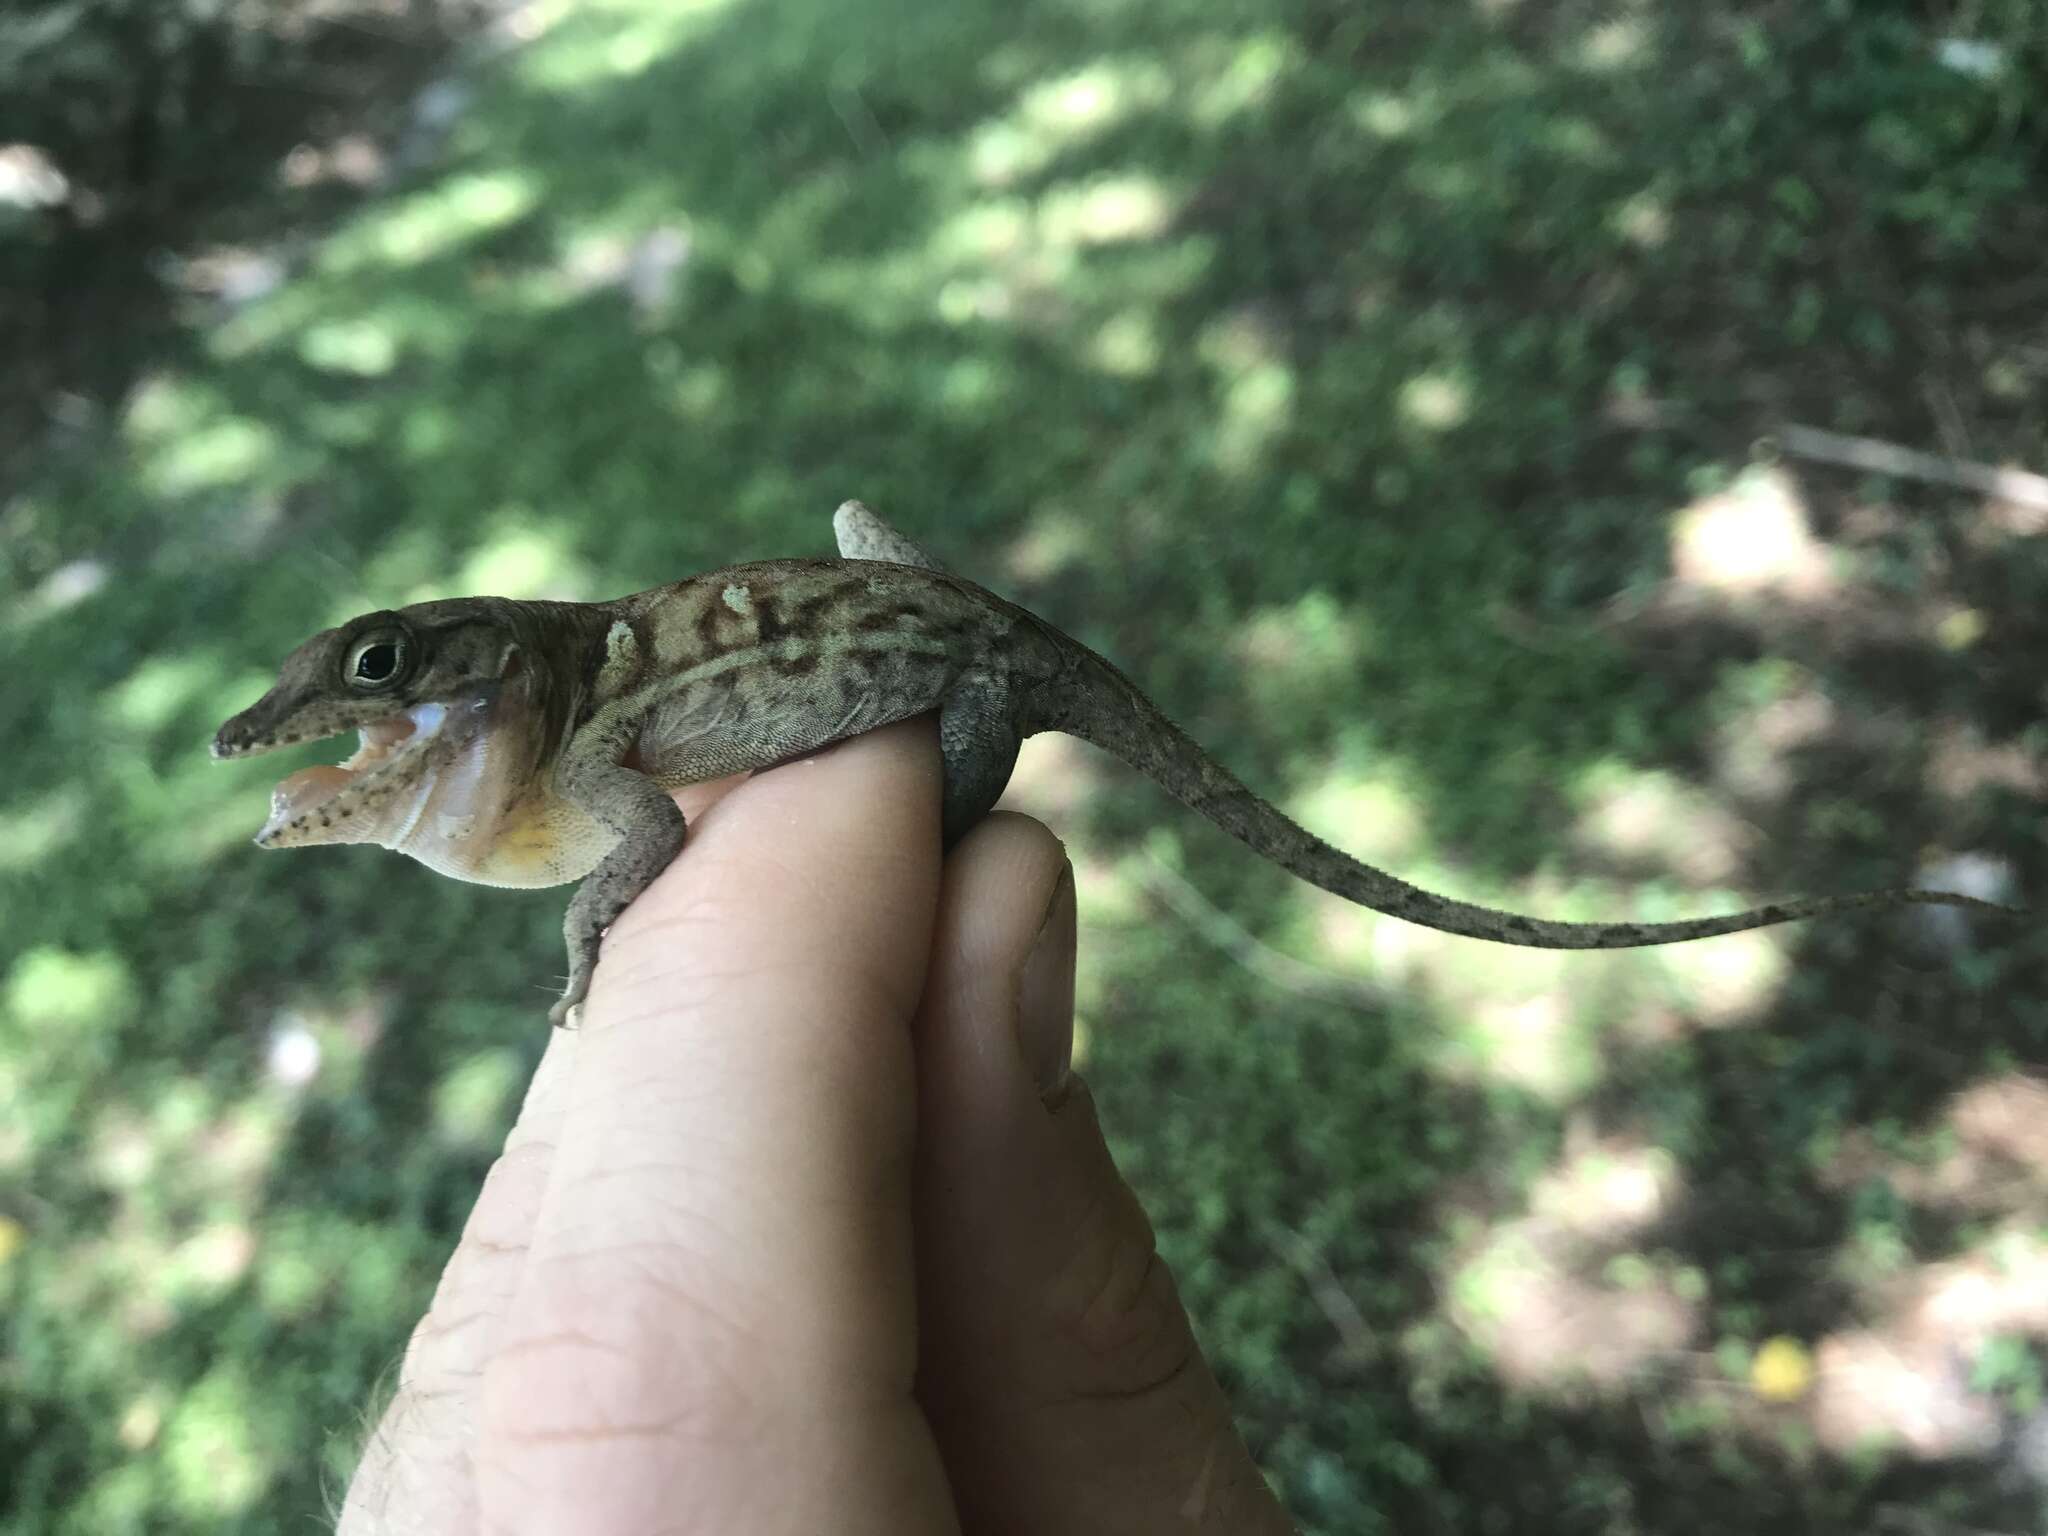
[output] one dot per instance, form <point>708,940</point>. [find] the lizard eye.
<point>377,661</point>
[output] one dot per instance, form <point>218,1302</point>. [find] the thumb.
<point>1057,1366</point>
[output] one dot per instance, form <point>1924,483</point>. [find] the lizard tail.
<point>1104,707</point>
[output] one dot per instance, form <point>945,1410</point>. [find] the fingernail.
<point>1045,995</point>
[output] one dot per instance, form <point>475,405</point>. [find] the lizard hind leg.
<point>979,744</point>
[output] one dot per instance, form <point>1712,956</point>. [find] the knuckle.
<point>1116,1300</point>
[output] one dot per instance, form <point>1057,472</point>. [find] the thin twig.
<point>868,136</point>
<point>1357,1345</point>
<point>2019,486</point>
<point>1249,951</point>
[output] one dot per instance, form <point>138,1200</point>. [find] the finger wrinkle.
<point>675,955</point>
<point>618,1286</point>
<point>442,1346</point>
<point>570,1384</point>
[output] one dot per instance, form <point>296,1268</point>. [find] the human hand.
<point>750,1263</point>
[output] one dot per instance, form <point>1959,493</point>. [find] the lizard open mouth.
<point>321,793</point>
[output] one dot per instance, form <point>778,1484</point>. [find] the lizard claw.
<point>567,1012</point>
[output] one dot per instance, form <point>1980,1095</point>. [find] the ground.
<point>1407,396</point>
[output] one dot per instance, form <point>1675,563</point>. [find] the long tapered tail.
<point>1100,705</point>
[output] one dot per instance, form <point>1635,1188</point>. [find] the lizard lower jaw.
<point>314,795</point>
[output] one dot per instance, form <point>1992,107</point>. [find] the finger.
<point>418,1456</point>
<point>1060,1371</point>
<point>719,1279</point>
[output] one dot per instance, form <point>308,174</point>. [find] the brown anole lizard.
<point>533,743</point>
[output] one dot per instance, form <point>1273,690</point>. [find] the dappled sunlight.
<point>1052,540</point>
<point>156,693</point>
<point>224,451</point>
<point>1607,1188</point>
<point>1757,752</point>
<point>1373,817</point>
<point>1988,1153</point>
<point>1052,116</point>
<point>210,1261</point>
<point>187,440</point>
<point>583,45</point>
<point>1257,406</point>
<point>211,1445</point>
<point>525,557</point>
<point>1555,1296</point>
<point>1557,1319</point>
<point>434,222</point>
<point>1915,1379</point>
<point>1963,763</point>
<point>1435,402</point>
<point>1389,115</point>
<point>1732,979</point>
<point>187,1145</point>
<point>1128,345</point>
<point>1751,542</point>
<point>1305,647</point>
<point>1623,42</point>
<point>323,1044</point>
<point>1055,778</point>
<point>360,346</point>
<point>206,808</point>
<point>1231,76</point>
<point>1532,1043</point>
<point>1108,211</point>
<point>475,1098</point>
<point>1657,823</point>
<point>41,828</point>
<point>65,587</point>
<point>49,992</point>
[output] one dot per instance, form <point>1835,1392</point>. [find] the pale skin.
<point>808,1228</point>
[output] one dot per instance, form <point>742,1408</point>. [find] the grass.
<point>1389,389</point>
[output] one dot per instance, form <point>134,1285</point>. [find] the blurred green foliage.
<point>1342,370</point>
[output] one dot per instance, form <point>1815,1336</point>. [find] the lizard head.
<point>447,721</point>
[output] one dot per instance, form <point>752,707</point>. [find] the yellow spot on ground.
<point>13,1238</point>
<point>1959,630</point>
<point>1782,1371</point>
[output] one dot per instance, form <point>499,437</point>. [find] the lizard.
<point>530,743</point>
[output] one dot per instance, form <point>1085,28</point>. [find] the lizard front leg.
<point>650,828</point>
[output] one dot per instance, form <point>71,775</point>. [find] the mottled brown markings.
<point>768,622</point>
<point>712,620</point>
<point>802,664</point>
